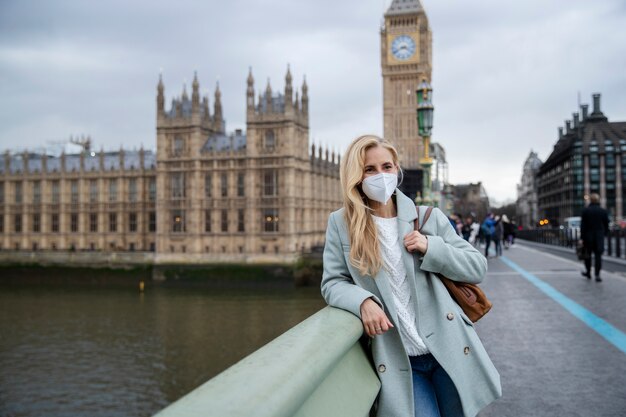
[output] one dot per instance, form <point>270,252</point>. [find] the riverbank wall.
<point>132,268</point>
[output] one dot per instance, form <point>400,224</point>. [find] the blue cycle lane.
<point>558,339</point>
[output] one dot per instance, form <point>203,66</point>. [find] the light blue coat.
<point>445,329</point>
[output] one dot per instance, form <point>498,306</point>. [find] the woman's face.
<point>378,160</point>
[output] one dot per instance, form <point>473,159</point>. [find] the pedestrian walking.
<point>466,229</point>
<point>430,360</point>
<point>507,226</point>
<point>475,230</point>
<point>489,229</point>
<point>498,235</point>
<point>594,226</point>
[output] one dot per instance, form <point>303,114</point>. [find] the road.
<point>557,339</point>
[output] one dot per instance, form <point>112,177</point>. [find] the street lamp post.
<point>425,110</point>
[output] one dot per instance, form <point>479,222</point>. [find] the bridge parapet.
<point>317,368</point>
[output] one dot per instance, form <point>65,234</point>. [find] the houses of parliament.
<point>209,195</point>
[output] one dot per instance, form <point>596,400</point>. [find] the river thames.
<point>78,351</point>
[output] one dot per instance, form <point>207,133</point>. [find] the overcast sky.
<point>505,74</point>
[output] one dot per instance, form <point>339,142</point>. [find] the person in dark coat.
<point>594,226</point>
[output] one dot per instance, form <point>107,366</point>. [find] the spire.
<point>268,97</point>
<point>160,95</point>
<point>305,97</point>
<point>195,94</point>
<point>288,90</point>
<point>185,96</point>
<point>297,102</point>
<point>217,107</point>
<point>400,7</point>
<point>250,79</point>
<point>250,91</point>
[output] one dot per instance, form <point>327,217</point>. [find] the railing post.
<point>610,247</point>
<point>618,244</point>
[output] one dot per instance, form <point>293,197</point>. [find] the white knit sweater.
<point>391,251</point>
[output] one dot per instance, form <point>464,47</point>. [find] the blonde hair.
<point>364,251</point>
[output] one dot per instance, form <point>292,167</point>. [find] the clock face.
<point>403,47</point>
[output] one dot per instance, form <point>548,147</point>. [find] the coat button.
<point>450,316</point>
<point>382,368</point>
<point>466,350</point>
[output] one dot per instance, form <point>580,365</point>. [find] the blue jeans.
<point>434,392</point>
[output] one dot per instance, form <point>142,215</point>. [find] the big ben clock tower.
<point>406,60</point>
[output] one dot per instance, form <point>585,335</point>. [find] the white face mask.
<point>380,187</point>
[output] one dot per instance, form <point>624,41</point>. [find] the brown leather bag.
<point>469,297</point>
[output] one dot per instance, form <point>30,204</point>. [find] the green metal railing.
<point>317,368</point>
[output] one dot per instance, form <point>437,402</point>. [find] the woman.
<point>427,355</point>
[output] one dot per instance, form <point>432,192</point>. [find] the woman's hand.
<point>375,322</point>
<point>416,242</point>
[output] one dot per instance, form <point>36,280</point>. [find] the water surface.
<point>117,352</point>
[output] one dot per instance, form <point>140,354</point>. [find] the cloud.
<point>505,75</point>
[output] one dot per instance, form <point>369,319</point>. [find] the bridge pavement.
<point>551,362</point>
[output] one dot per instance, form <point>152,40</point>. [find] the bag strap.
<point>426,216</point>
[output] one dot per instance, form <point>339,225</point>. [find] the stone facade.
<point>471,200</point>
<point>102,201</point>
<point>589,157</point>
<point>206,195</point>
<point>406,60</point>
<point>527,211</point>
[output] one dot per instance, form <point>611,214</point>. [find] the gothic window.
<point>132,222</point>
<point>152,189</point>
<point>18,223</point>
<point>1,224</point>
<point>178,146</point>
<point>207,221</point>
<point>112,222</point>
<point>36,192</point>
<point>224,184</point>
<point>224,221</point>
<point>270,140</point>
<point>93,222</point>
<point>241,184</point>
<point>93,191</point>
<point>240,221</point>
<point>178,221</point>
<point>132,190</point>
<point>113,189</point>
<point>1,192</point>
<point>74,222</point>
<point>270,220</point>
<point>54,222</point>
<point>36,223</point>
<point>18,192</point>
<point>152,221</point>
<point>270,183</point>
<point>208,184</point>
<point>56,194</point>
<point>74,191</point>
<point>178,185</point>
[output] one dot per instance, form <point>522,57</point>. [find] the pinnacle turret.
<point>288,90</point>
<point>250,91</point>
<point>195,94</point>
